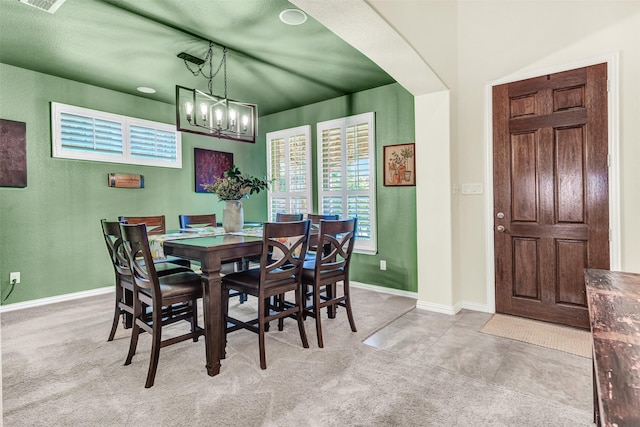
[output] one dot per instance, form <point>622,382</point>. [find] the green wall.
<point>396,206</point>
<point>50,233</point>
<point>50,230</point>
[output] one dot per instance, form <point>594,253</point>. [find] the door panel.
<point>550,192</point>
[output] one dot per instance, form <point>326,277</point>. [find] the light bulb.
<point>232,118</point>
<point>203,111</point>
<point>245,122</point>
<point>219,117</point>
<point>188,107</point>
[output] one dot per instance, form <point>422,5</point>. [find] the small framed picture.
<point>210,165</point>
<point>399,165</point>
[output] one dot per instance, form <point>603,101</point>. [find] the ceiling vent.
<point>47,5</point>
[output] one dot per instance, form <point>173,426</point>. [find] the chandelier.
<point>212,115</point>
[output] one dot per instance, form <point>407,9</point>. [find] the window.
<point>83,134</point>
<point>346,174</point>
<point>289,165</point>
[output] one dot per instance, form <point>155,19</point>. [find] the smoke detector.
<point>47,5</point>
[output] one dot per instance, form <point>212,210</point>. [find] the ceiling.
<point>124,44</point>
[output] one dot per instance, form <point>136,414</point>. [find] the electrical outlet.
<point>14,277</point>
<point>383,264</point>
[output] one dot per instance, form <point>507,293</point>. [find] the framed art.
<point>399,165</point>
<point>13,154</point>
<point>209,165</point>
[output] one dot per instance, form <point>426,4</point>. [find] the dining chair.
<point>155,225</point>
<point>195,221</point>
<point>287,217</point>
<point>315,221</point>
<point>123,281</point>
<point>280,217</point>
<point>327,269</point>
<point>179,291</point>
<point>284,246</point>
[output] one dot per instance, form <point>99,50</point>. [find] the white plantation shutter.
<point>289,165</point>
<point>90,135</point>
<point>149,143</point>
<point>346,174</point>
<point>84,134</point>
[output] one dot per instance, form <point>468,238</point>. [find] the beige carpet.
<point>569,340</point>
<point>59,370</point>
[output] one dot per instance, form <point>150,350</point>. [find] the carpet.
<point>563,338</point>
<point>59,370</point>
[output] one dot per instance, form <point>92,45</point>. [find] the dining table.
<point>211,251</point>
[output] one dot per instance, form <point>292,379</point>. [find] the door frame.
<point>612,61</point>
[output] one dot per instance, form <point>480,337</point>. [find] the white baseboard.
<point>57,298</point>
<point>384,290</point>
<point>452,309</point>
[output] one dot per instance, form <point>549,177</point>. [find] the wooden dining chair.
<point>283,249</point>
<point>315,222</point>
<point>195,221</point>
<point>288,217</point>
<point>327,269</point>
<point>123,281</point>
<point>155,225</point>
<point>179,291</point>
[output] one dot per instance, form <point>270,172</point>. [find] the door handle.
<point>500,228</point>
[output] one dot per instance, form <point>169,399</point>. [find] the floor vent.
<point>47,5</point>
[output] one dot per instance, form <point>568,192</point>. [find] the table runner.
<point>156,241</point>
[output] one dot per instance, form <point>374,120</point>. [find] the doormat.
<point>563,338</point>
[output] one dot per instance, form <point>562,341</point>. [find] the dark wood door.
<point>551,202</point>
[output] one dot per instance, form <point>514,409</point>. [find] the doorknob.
<point>500,215</point>
<point>500,228</point>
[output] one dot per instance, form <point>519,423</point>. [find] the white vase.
<point>232,216</point>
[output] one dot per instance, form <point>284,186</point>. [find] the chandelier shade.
<point>212,115</point>
<point>205,114</point>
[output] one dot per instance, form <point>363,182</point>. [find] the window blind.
<point>346,174</point>
<point>289,165</point>
<point>85,134</point>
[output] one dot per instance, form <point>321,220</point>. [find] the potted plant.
<point>231,188</point>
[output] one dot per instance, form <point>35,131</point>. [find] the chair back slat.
<point>338,238</point>
<point>283,252</point>
<point>315,218</point>
<point>155,224</point>
<point>193,221</point>
<point>113,239</point>
<point>288,217</point>
<point>136,246</point>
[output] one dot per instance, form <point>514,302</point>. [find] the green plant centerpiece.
<point>232,187</point>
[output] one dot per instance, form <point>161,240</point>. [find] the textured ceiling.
<point>123,44</point>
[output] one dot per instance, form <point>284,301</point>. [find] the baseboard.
<point>384,290</point>
<point>452,309</point>
<point>55,299</point>
<point>105,290</point>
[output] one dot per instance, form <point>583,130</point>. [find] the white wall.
<point>468,44</point>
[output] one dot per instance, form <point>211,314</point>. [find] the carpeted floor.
<point>58,370</point>
<point>563,338</point>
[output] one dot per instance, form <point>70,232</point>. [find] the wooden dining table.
<point>211,252</point>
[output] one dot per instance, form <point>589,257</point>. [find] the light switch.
<point>474,188</point>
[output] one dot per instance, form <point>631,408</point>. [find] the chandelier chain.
<point>209,59</point>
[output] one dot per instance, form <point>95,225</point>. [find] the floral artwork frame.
<point>209,165</point>
<point>399,164</point>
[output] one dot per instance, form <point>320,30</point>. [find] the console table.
<point>614,313</point>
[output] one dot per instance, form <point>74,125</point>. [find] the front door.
<point>551,202</point>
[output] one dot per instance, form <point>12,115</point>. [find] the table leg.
<point>211,299</point>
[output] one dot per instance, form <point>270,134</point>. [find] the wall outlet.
<point>14,277</point>
<point>383,264</point>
